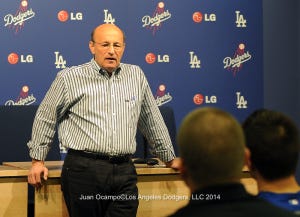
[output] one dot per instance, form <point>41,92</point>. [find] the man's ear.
<point>92,47</point>
<point>185,175</point>
<point>248,162</point>
<point>180,164</point>
<point>183,170</point>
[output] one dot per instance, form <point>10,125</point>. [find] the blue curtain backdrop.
<point>194,53</point>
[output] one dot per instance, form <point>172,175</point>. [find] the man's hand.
<point>175,163</point>
<point>37,172</point>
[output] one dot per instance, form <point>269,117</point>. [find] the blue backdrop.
<point>194,53</point>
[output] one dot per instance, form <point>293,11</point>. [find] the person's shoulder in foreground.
<point>211,204</point>
<point>212,151</point>
<point>273,140</point>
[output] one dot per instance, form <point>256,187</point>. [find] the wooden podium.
<point>14,192</point>
<point>161,190</point>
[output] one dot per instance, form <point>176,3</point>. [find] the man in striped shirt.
<point>97,107</point>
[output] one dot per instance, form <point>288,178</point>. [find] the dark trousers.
<point>94,187</point>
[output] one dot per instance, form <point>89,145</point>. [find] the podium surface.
<point>14,192</point>
<point>161,190</point>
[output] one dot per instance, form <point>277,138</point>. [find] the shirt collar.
<point>103,71</point>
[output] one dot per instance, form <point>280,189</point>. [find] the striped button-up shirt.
<point>95,112</point>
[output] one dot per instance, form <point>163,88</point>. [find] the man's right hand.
<point>37,172</point>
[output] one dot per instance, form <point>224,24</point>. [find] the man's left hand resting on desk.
<point>174,164</point>
<point>37,172</point>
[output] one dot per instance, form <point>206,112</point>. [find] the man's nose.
<point>111,49</point>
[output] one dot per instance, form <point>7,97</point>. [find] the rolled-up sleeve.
<point>154,128</point>
<point>45,121</point>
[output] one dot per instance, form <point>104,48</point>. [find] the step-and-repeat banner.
<point>194,53</point>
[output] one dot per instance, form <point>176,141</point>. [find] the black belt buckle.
<point>118,159</point>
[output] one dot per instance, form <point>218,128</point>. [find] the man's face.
<point>107,46</point>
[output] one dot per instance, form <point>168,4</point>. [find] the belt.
<point>97,156</point>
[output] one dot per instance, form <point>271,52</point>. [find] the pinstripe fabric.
<point>98,113</point>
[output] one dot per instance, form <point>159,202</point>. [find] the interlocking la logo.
<point>194,61</point>
<point>240,21</point>
<point>17,20</point>
<point>108,18</point>
<point>59,61</point>
<point>240,101</point>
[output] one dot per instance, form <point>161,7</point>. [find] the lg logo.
<point>63,16</point>
<point>198,17</point>
<point>14,58</point>
<point>200,99</point>
<point>152,58</point>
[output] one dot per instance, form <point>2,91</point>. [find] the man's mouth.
<point>111,59</point>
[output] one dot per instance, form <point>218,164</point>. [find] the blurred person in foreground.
<point>273,140</point>
<point>212,149</point>
<point>97,107</point>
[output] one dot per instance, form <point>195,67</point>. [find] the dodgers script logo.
<point>154,22</point>
<point>23,99</point>
<point>161,97</point>
<point>235,63</point>
<point>17,21</point>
